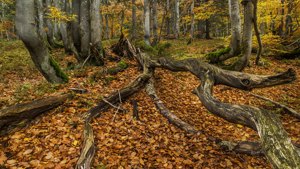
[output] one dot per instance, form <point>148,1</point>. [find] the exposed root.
<point>276,144</point>
<point>173,119</point>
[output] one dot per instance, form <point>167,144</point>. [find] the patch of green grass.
<point>122,64</point>
<point>157,50</point>
<point>22,91</point>
<point>45,87</point>
<point>15,59</point>
<point>215,55</point>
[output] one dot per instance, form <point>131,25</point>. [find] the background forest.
<point>149,84</point>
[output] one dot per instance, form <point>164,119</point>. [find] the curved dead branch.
<point>234,79</point>
<point>276,144</point>
<point>172,118</point>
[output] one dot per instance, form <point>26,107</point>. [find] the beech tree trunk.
<point>97,50</point>
<point>85,33</point>
<point>155,24</point>
<point>27,30</point>
<point>192,21</point>
<point>133,33</point>
<point>147,21</point>
<point>257,32</point>
<point>235,20</point>
<point>75,25</point>
<point>66,31</point>
<point>247,37</point>
<point>177,19</point>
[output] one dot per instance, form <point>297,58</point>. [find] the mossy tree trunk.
<point>27,30</point>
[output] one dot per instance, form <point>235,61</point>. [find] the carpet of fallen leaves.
<point>54,140</point>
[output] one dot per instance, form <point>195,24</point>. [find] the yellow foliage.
<point>59,16</point>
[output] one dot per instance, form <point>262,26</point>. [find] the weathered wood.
<point>19,115</point>
<point>276,144</point>
<point>172,118</point>
<point>88,149</point>
<point>124,48</point>
<point>234,79</point>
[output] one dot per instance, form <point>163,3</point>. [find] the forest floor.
<point>54,140</point>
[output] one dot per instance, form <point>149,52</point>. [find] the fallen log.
<point>20,115</point>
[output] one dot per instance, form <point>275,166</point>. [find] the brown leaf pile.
<point>54,140</point>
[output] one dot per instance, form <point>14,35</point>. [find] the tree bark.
<point>85,33</point>
<point>177,19</point>
<point>155,24</point>
<point>19,115</point>
<point>75,25</point>
<point>133,29</point>
<point>247,37</point>
<point>66,31</point>
<point>97,50</point>
<point>192,21</point>
<point>257,32</point>
<point>27,30</point>
<point>147,21</point>
<point>235,20</point>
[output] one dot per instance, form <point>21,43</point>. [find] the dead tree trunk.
<point>21,114</point>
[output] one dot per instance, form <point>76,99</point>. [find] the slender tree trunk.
<point>257,32</point>
<point>155,24</point>
<point>177,19</point>
<point>288,19</point>
<point>193,20</point>
<point>97,51</point>
<point>75,24</point>
<point>40,12</point>
<point>168,18</point>
<point>133,33</point>
<point>147,21</point>
<point>235,19</point>
<point>107,33</point>
<point>50,26</point>
<point>207,29</point>
<point>247,37</point>
<point>85,34</point>
<point>27,30</point>
<point>56,25</point>
<point>68,44</point>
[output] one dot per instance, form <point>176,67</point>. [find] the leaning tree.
<point>27,28</point>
